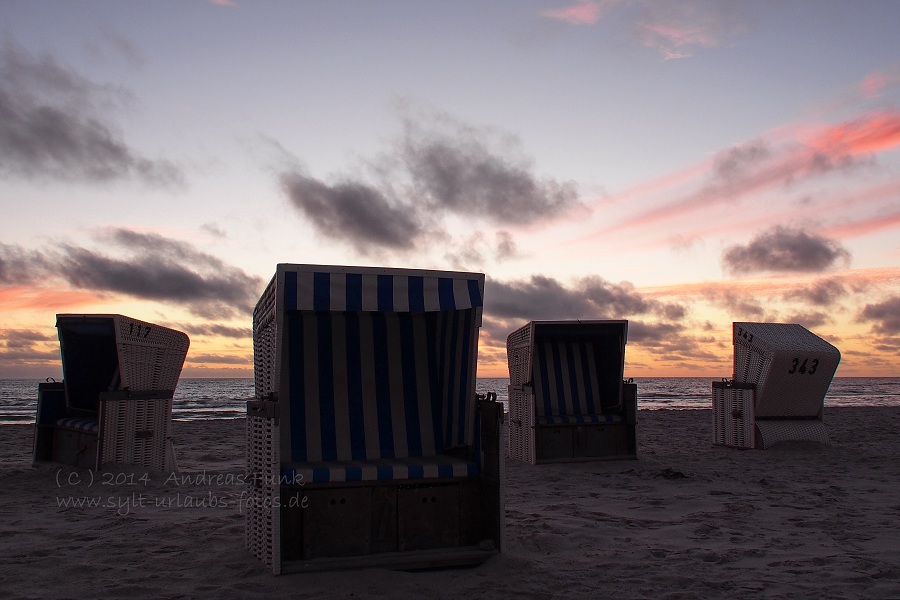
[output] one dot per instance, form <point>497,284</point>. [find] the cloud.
<point>783,249</point>
<point>471,252</point>
<point>217,330</point>
<point>53,126</point>
<point>869,134</point>
<point>674,29</point>
<point>542,297</point>
<point>776,164</point>
<point>20,266</point>
<point>153,267</point>
<point>886,316</point>
<point>537,298</point>
<point>357,213</point>
<point>511,304</point>
<point>439,168</point>
<point>583,12</point>
<point>476,172</point>
<point>677,29</point>
<point>145,265</point>
<point>740,303</point>
<point>739,160</point>
<point>810,320</point>
<point>850,228</point>
<point>873,84</point>
<point>25,345</point>
<point>824,292</point>
<point>24,338</point>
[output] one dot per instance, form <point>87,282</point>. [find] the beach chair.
<point>114,405</point>
<point>781,375</point>
<point>366,444</point>
<point>567,397</point>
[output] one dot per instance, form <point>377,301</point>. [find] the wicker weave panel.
<point>265,365</point>
<point>790,366</point>
<point>733,419</point>
<point>137,432</point>
<point>785,430</point>
<point>262,534</point>
<point>150,356</point>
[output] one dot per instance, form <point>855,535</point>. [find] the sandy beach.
<point>685,520</point>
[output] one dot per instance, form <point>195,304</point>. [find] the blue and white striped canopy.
<point>309,287</point>
<point>375,364</point>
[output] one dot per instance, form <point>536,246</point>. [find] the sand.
<point>685,520</point>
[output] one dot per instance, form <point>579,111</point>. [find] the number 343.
<point>807,367</point>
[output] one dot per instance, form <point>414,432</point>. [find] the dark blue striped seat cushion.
<point>378,470</point>
<point>577,419</point>
<point>79,424</point>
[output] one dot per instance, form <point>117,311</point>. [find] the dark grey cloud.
<point>23,345</point>
<point>742,306</point>
<point>885,316</point>
<point>506,245</point>
<point>810,320</point>
<point>157,268</point>
<point>240,333</point>
<point>54,126</point>
<point>785,250</point>
<point>20,266</point>
<point>439,168</point>
<point>823,292</point>
<point>536,298</point>
<point>221,359</point>
<point>471,252</point>
<point>738,161</point>
<point>359,214</point>
<point>672,343</point>
<point>592,297</point>
<point>510,304</point>
<point>24,338</point>
<point>141,265</point>
<point>473,171</point>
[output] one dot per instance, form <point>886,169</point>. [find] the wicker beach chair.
<point>366,444</point>
<point>781,375</point>
<point>567,397</point>
<point>114,404</point>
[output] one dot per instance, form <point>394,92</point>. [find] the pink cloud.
<point>676,29</point>
<point>876,82</point>
<point>863,226</point>
<point>825,150</point>
<point>872,133</point>
<point>668,37</point>
<point>585,12</point>
<point>873,84</point>
<point>743,188</point>
<point>54,300</point>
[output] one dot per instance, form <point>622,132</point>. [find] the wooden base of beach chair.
<point>594,441</point>
<point>570,442</point>
<point>74,448</point>
<point>397,524</point>
<point>440,558</point>
<point>336,522</point>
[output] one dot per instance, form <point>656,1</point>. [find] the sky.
<point>681,164</point>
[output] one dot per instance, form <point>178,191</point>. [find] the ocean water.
<point>226,398</point>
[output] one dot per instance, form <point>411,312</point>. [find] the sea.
<point>199,399</point>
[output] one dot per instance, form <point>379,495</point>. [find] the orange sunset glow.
<point>681,166</point>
